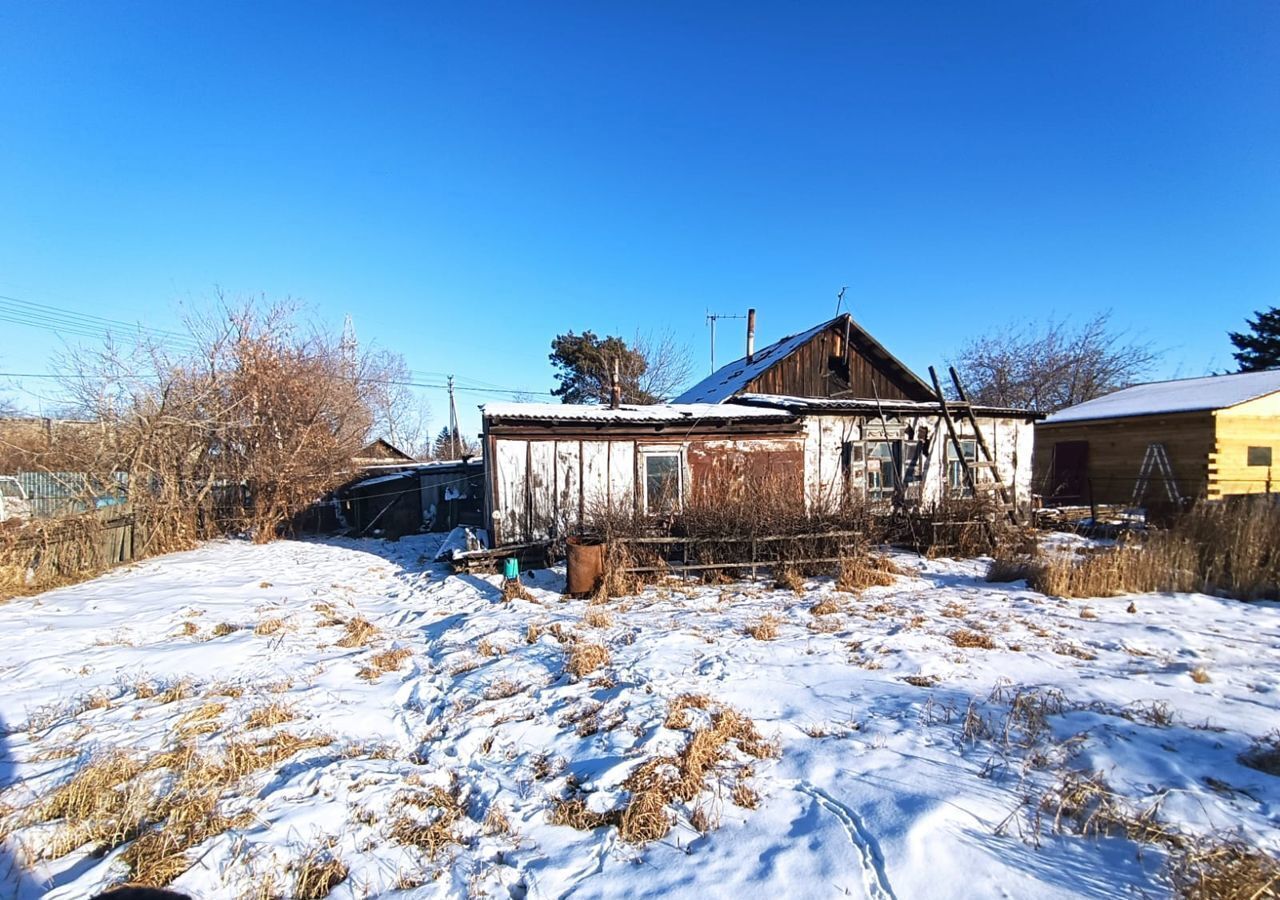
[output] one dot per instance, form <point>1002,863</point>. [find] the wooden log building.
<point>1194,438</point>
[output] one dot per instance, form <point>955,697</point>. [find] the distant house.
<point>829,407</point>
<point>381,455</point>
<point>1194,437</point>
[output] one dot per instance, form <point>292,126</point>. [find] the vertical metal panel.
<point>542,490</point>
<point>511,469</point>
<point>568,486</point>
<point>595,475</point>
<point>622,475</point>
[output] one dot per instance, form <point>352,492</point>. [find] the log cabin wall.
<point>827,367</point>
<point>1116,448</point>
<point>1246,450</point>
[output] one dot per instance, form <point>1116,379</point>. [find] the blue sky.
<point>467,180</point>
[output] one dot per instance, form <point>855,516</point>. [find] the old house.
<point>829,408</point>
<point>1164,443</point>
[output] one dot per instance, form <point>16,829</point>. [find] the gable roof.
<point>1182,395</point>
<point>657,413</point>
<point>382,450</point>
<point>722,384</point>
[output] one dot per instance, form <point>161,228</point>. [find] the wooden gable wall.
<point>824,367</point>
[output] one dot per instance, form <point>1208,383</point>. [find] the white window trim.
<point>645,453</point>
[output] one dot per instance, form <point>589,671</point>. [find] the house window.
<point>882,469</point>
<point>1259,456</point>
<point>662,482</point>
<point>956,482</point>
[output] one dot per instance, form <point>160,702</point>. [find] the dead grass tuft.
<point>1226,870</point>
<point>677,709</point>
<point>360,631</point>
<point>1264,754</point>
<point>188,629</point>
<point>967,637</point>
<point>585,658</point>
<point>178,690</point>
<point>826,606</point>
<point>597,617</point>
<point>222,629</point>
<point>201,720</point>
<point>431,826</point>
<point>318,872</point>
<point>268,627</point>
<point>383,662</point>
<point>512,589</point>
<point>1200,675</point>
<point>787,578</point>
<point>763,629</point>
<point>270,715</point>
<point>863,571</point>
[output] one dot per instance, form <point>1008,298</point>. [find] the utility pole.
<point>711,320</point>
<point>453,422</point>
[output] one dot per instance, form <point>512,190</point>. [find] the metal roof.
<point>1182,395</point>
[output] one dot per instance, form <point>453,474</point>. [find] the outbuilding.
<point>1164,443</point>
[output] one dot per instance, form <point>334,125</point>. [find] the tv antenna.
<point>711,320</point>
<point>840,298</point>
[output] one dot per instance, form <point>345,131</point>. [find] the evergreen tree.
<point>451,445</point>
<point>1259,348</point>
<point>584,369</point>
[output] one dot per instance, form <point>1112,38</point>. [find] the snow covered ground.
<point>919,726</point>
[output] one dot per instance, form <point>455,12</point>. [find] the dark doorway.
<point>1069,477</point>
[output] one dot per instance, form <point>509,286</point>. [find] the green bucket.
<point>511,568</point>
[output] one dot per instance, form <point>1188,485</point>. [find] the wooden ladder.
<point>988,462</point>
<point>1158,460</point>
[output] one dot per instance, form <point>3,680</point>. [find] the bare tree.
<point>401,415</point>
<point>1050,365</point>
<point>668,366</point>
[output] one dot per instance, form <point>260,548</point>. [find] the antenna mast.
<point>840,298</point>
<point>711,320</point>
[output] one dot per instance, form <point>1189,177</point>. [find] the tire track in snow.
<point>873,873</point>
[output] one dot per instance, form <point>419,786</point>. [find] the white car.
<point>13,499</point>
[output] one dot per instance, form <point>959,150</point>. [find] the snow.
<point>1182,395</point>
<point>879,791</point>
<point>661,412</point>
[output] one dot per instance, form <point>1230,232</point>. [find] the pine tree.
<point>1260,348</point>
<point>451,445</point>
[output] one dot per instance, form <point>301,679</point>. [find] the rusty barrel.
<point>584,563</point>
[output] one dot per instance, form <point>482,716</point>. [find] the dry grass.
<point>270,715</point>
<point>201,720</point>
<point>677,709</point>
<point>660,781</point>
<point>502,689</point>
<point>764,628</point>
<point>222,629</point>
<point>788,579</point>
<point>360,631</point>
<point>1226,870</point>
<point>178,690</point>
<point>597,617</point>
<point>188,629</point>
<point>1200,675</point>
<point>384,661</point>
<point>317,872</point>
<point>161,805</point>
<point>826,606</point>
<point>532,633</point>
<point>1264,755</point>
<point>268,627</point>
<point>431,826</point>
<point>512,589</point>
<point>585,658</point>
<point>488,648</point>
<point>1230,546</point>
<point>967,637</point>
<point>863,571</point>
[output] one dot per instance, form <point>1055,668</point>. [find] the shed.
<point>1205,437</point>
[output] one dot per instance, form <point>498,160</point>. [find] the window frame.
<point>661,453</point>
<point>957,484</point>
<point>1259,450</point>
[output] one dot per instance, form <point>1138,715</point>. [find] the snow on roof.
<point>660,412</point>
<point>728,380</point>
<point>1183,395</point>
<point>802,405</point>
